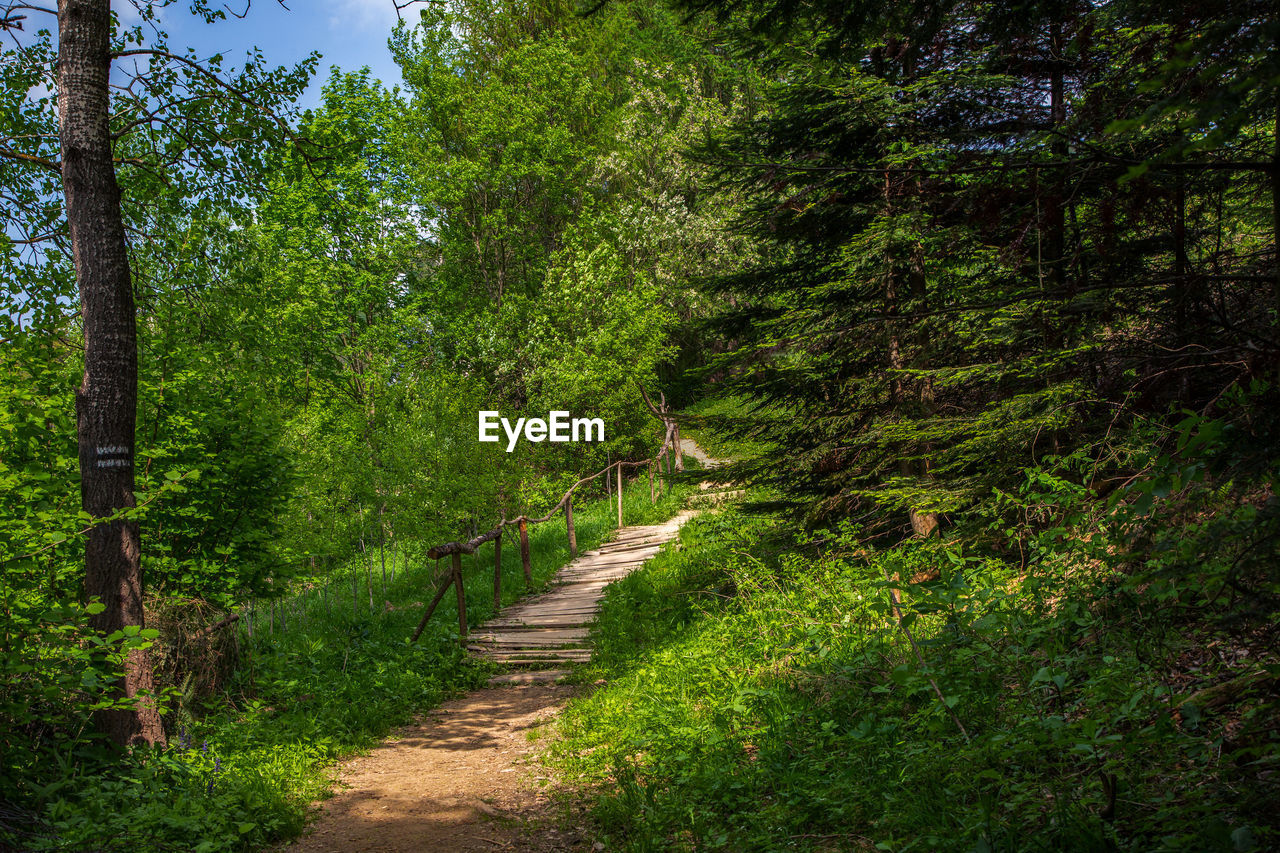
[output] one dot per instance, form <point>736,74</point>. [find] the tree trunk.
<point>106,403</point>
<point>1275,216</point>
<point>922,523</point>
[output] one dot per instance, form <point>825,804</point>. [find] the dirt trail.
<point>459,780</point>
<point>689,447</point>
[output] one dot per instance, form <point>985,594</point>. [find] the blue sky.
<point>349,34</point>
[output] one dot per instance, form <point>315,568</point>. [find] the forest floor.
<point>466,776</point>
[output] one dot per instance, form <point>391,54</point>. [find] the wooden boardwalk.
<point>550,630</point>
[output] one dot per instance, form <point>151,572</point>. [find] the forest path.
<point>465,776</point>
<point>689,447</point>
<point>461,778</point>
<point>551,629</point>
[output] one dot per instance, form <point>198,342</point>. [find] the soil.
<point>465,778</point>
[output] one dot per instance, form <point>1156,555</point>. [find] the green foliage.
<point>723,426</point>
<point>761,695</point>
<point>959,268</point>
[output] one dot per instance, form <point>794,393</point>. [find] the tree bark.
<point>1275,216</point>
<point>106,403</point>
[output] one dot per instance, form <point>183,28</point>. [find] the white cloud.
<point>129,15</point>
<point>362,15</point>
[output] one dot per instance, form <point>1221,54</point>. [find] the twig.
<point>897,612</point>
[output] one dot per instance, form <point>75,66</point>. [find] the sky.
<point>349,34</point>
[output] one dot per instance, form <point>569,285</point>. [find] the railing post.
<point>619,493</point>
<point>497,574</point>
<point>652,498</point>
<point>524,553</point>
<point>568,521</point>
<point>462,595</point>
<point>431,608</point>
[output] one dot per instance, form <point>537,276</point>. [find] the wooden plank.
<point>541,635</point>
<point>546,676</point>
<point>574,632</point>
<point>533,657</point>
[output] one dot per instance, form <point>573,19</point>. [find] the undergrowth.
<point>761,694</point>
<point>715,423</point>
<point>242,768</point>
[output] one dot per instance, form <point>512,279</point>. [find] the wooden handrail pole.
<point>431,608</point>
<point>462,596</point>
<point>568,521</point>
<point>652,498</point>
<point>524,552</point>
<point>619,493</point>
<point>497,574</point>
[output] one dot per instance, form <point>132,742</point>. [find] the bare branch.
<point>231,89</point>
<point>31,158</point>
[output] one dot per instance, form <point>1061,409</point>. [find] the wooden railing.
<point>669,454</point>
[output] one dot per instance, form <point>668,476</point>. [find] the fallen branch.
<point>210,630</point>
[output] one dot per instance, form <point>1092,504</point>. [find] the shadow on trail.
<point>458,781</point>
